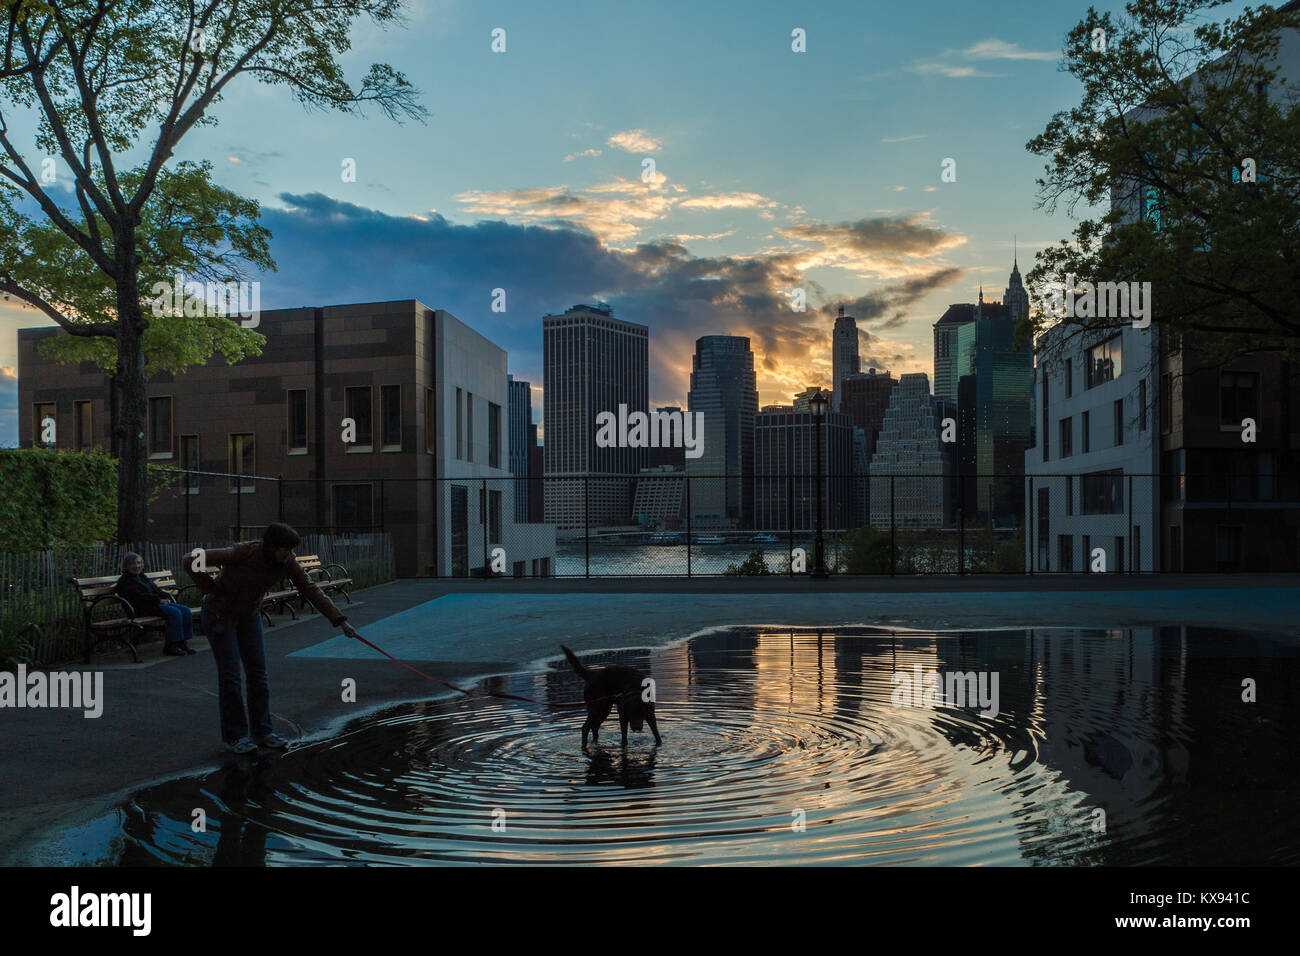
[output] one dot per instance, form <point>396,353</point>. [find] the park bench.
<point>109,617</point>
<point>331,578</point>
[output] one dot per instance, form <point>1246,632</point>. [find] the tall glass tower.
<point>723,387</point>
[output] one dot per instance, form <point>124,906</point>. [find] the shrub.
<point>754,564</point>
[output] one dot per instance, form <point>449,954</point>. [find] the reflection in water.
<point>1127,746</point>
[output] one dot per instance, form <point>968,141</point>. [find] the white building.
<point>1091,491</point>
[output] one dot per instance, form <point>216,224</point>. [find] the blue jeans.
<point>179,621</point>
<point>233,643</point>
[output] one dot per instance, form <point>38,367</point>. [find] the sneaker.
<point>244,745</point>
<point>188,650</point>
<point>273,742</point>
<point>175,650</point>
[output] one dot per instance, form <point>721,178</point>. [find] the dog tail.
<point>573,660</point>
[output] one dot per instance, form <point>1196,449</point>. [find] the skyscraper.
<point>908,445</point>
<point>785,470</point>
<point>521,437</point>
<point>945,348</point>
<point>844,354</point>
<point>723,389</point>
<point>592,363</point>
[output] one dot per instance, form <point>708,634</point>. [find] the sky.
<point>773,170</point>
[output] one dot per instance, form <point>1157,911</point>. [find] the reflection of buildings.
<point>723,389</point>
<point>592,363</point>
<point>785,469</point>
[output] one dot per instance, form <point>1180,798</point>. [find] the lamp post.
<point>818,403</point>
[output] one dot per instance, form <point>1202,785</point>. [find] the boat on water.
<point>763,539</point>
<point>665,537</point>
<point>710,539</point>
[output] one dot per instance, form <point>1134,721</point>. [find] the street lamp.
<point>818,403</point>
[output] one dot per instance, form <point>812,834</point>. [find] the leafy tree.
<point>1174,105</point>
<point>866,551</point>
<point>754,563</point>
<point>112,79</point>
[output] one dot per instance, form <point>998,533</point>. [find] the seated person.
<point>147,598</point>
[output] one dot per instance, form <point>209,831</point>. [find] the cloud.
<point>730,201</point>
<point>616,212</point>
<point>634,141</point>
<point>320,244</point>
<point>954,71</point>
<point>904,139</point>
<point>885,247</point>
<point>8,373</point>
<point>993,49</point>
<point>586,152</point>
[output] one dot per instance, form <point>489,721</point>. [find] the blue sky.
<point>774,170</point>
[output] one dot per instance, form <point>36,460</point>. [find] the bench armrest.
<point>90,608</point>
<point>343,572</point>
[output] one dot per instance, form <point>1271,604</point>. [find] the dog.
<point>608,687</point>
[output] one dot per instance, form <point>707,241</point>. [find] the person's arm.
<point>213,559</point>
<point>312,592</point>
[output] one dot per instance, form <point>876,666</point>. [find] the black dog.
<point>608,687</point>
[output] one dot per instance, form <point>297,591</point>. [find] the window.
<point>1046,442</point>
<point>494,435</point>
<point>1238,398</point>
<point>1105,362</point>
<point>242,462</point>
<point>296,423</point>
<point>390,416</point>
<point>44,417</point>
<point>1166,403</point>
<point>469,426</point>
<point>1119,555</point>
<point>494,516</point>
<point>460,425</point>
<point>1066,427</point>
<point>357,405</point>
<point>353,509</point>
<point>1064,552</point>
<point>1119,422</point>
<point>160,427</point>
<point>1142,405</point>
<point>1102,492</point>
<point>1087,554</point>
<point>1135,559</point>
<point>430,431</point>
<point>83,435</point>
<point>1069,495</point>
<point>1085,432</point>
<point>459,531</point>
<point>1069,377</point>
<point>190,462</point>
<point>1044,528</point>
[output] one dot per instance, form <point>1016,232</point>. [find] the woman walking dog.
<point>233,625</point>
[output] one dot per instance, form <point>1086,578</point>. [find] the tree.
<point>110,79</point>
<point>1179,114</point>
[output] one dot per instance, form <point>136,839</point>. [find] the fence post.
<point>892,551</point>
<point>186,489</point>
<point>586,522</point>
<point>688,526</point>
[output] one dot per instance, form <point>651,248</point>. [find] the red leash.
<point>469,693</point>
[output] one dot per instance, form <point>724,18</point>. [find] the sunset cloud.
<point>634,141</point>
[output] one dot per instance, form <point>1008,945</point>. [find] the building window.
<point>1064,552</point>
<point>353,509</point>
<point>1044,528</point>
<point>1069,377</point>
<point>160,427</point>
<point>1066,429</point>
<point>1166,403</point>
<point>1238,398</point>
<point>494,435</point>
<point>390,416</point>
<point>1142,405</point>
<point>83,435</point>
<point>1046,438</point>
<point>430,431</point>
<point>460,425</point>
<point>1085,432</point>
<point>44,416</point>
<point>1119,555</point>
<point>190,462</point>
<point>1087,554</point>
<point>242,462</point>
<point>357,405</point>
<point>296,423</point>
<point>1119,421</point>
<point>1135,559</point>
<point>1069,495</point>
<point>1102,492</point>
<point>1105,362</point>
<point>459,531</point>
<point>469,426</point>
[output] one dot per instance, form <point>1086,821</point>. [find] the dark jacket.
<point>143,595</point>
<point>246,575</point>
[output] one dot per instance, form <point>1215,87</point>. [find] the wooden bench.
<point>330,578</point>
<point>108,616</point>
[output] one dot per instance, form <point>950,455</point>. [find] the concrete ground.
<point>58,768</point>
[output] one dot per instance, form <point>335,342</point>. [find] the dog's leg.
<point>585,725</point>
<point>654,728</point>
<point>622,725</point>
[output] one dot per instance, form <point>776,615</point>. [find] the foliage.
<point>1173,105</point>
<point>753,564</point>
<point>866,551</point>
